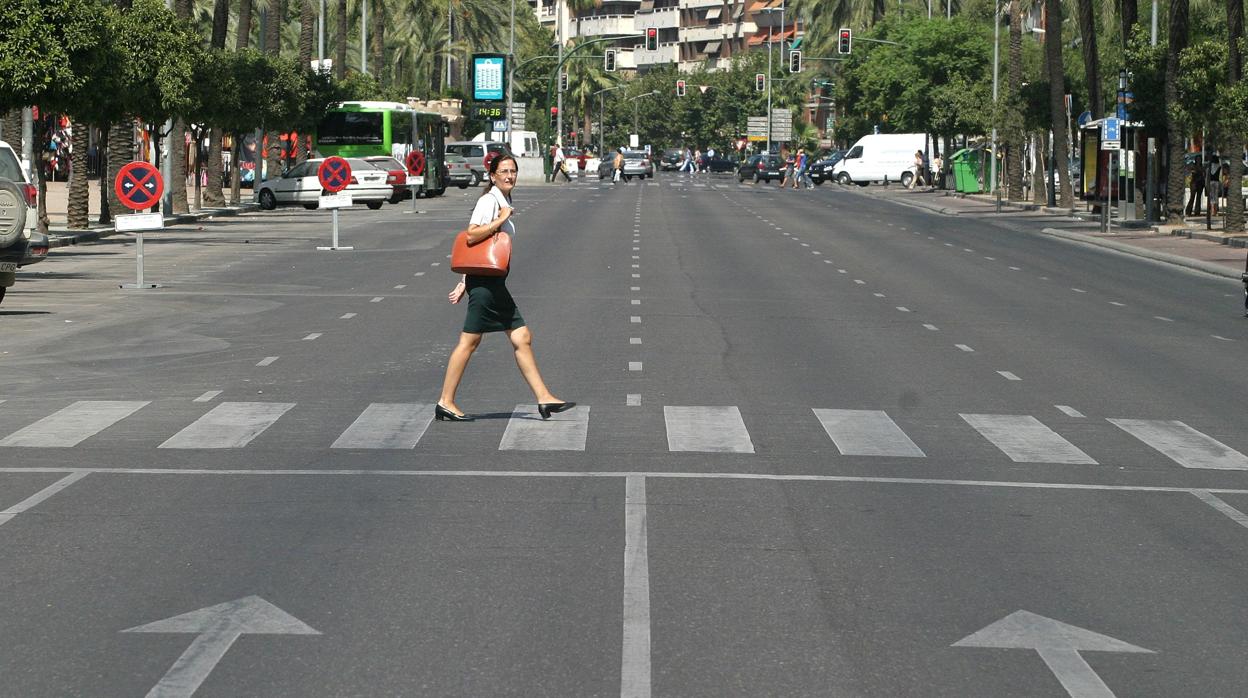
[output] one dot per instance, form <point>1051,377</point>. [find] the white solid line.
<point>564,431</point>
<point>399,287</point>
<point>71,425</point>
<point>346,316</point>
<point>1120,305</point>
<point>903,308</point>
<point>1078,290</point>
<point>932,327</point>
<point>1026,440</point>
<point>1070,411</point>
<point>1220,337</point>
<point>634,365</point>
<point>208,396</point>
<point>706,429</point>
<point>1163,319</point>
<point>635,657</point>
<point>377,299</point>
<point>1009,376</point>
<point>1183,444</point>
<point>312,336</point>
<point>229,425</point>
<point>866,433</point>
<point>387,426</point>
<point>634,340</point>
<point>1231,512</point>
<point>40,496</point>
<point>633,399</point>
<point>635,319</point>
<point>267,360</point>
<point>419,273</point>
<point>964,347</point>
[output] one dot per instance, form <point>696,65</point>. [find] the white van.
<point>523,143</point>
<point>878,156</point>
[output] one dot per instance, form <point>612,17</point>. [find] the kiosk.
<point>1112,164</point>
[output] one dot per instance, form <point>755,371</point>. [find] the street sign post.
<point>334,175</point>
<point>139,186</point>
<point>415,164</point>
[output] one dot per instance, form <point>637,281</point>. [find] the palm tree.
<point>307,31</point>
<point>1177,41</point>
<point>243,37</point>
<point>418,44</point>
<point>213,195</point>
<point>1057,98</point>
<point>274,19</point>
<point>340,41</point>
<point>175,142</point>
<point>1130,17</point>
<point>584,79</point>
<point>1234,221</point>
<point>1016,137</point>
<point>379,16</point>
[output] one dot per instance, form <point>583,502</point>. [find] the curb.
<point>64,237</point>
<point>1223,238</point>
<point>1177,260</point>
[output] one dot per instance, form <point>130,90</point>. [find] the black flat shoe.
<point>548,408</point>
<point>442,414</point>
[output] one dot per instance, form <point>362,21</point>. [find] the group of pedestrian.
<point>1207,180</point>
<point>797,171</point>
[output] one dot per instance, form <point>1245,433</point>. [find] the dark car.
<point>761,168</point>
<point>671,159</point>
<point>821,171</point>
<point>720,164</point>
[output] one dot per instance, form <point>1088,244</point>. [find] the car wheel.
<point>2,290</point>
<point>757,179</point>
<point>311,207</point>
<point>13,218</point>
<point>906,179</point>
<point>843,178</point>
<point>374,205</point>
<point>268,201</point>
<point>476,179</point>
<point>396,198</point>
<point>462,185</point>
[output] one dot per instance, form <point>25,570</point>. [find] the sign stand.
<point>139,186</point>
<point>334,175</point>
<point>415,164</point>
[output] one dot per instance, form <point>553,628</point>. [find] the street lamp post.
<point>996,59</point>
<point>511,61</point>
<point>602,116</point>
<point>770,34</point>
<point>637,104</point>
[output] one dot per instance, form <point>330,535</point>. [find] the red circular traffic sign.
<point>334,174</point>
<point>139,185</point>
<point>415,163</point>
<point>489,157</point>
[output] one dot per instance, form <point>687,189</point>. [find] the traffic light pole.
<point>548,161</point>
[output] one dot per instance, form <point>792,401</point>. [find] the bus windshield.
<point>351,128</point>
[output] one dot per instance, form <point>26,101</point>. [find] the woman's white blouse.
<point>487,210</point>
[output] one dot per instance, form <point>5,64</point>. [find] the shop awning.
<point>711,47</point>
<point>714,12</point>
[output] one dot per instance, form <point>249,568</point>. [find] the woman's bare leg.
<point>522,343</point>
<point>468,343</point>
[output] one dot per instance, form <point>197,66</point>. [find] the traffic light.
<point>680,88</point>
<point>554,116</point>
<point>608,61</point>
<point>563,81</point>
<point>652,39</point>
<point>845,44</point>
<point>760,82</point>
<point>795,61</point>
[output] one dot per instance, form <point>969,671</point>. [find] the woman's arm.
<point>477,233</point>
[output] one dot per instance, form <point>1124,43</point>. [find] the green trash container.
<point>966,166</point>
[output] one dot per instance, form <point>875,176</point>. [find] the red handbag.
<point>490,257</point>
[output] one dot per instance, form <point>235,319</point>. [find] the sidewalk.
<point>60,235</point>
<point>1187,245</point>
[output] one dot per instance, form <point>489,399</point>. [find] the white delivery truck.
<point>878,156</point>
<point>523,143</point>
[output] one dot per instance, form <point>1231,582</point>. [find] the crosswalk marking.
<point>229,425</point>
<point>527,431</point>
<point>866,433</point>
<point>1026,440</point>
<point>70,426</point>
<point>707,429</point>
<point>387,425</point>
<point>1183,444</point>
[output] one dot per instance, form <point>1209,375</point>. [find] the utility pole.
<point>996,60</point>
<point>559,99</point>
<point>364,37</point>
<point>320,40</point>
<point>511,61</point>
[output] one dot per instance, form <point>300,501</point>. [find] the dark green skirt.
<point>490,306</point>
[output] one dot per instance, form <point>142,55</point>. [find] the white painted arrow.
<point>217,627</point>
<point>1059,646</point>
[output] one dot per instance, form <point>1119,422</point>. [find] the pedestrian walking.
<point>617,166</point>
<point>490,306</point>
<point>799,168</point>
<point>561,163</point>
<point>786,162</point>
<point>917,178</point>
<point>938,170</point>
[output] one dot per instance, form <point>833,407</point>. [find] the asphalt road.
<point>827,445</point>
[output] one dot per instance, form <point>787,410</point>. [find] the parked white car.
<point>300,185</point>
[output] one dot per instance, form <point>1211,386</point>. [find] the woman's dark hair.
<point>493,168</point>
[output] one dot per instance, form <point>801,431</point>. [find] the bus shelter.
<point>1112,169</point>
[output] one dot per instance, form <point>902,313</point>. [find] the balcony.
<point>602,25</point>
<point>666,53</point>
<point>702,33</point>
<point>665,18</point>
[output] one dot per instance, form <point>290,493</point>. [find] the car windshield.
<point>385,163</point>
<point>467,150</point>
<point>10,168</point>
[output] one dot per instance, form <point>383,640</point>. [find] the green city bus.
<point>361,129</point>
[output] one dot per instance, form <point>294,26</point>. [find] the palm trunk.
<point>340,41</point>
<point>377,40</point>
<point>1177,41</point>
<point>1057,101</point>
<point>273,47</point>
<point>11,131</point>
<point>176,143</point>
<point>243,40</point>
<point>1234,221</point>
<point>1091,59</point>
<point>79,213</point>
<point>1016,137</point>
<point>213,196</point>
<point>1040,143</point>
<point>1130,17</point>
<point>236,169</point>
<point>120,152</point>
<point>307,31</point>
